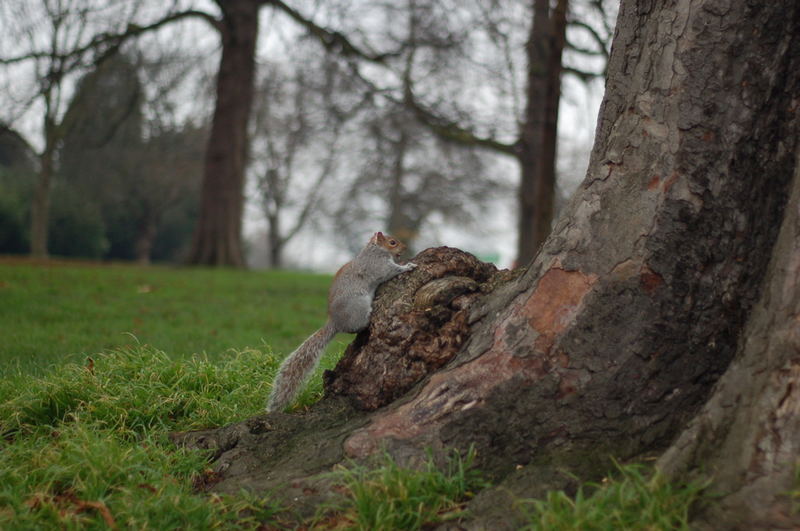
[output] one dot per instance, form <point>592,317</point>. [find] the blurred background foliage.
<point>419,117</point>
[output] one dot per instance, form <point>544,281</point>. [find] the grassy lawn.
<point>83,445</point>
<point>51,314</point>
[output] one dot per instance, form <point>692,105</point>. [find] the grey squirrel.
<point>349,307</point>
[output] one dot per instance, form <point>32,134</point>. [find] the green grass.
<point>82,447</point>
<point>50,314</point>
<point>391,497</point>
<point>87,398</point>
<point>633,499</point>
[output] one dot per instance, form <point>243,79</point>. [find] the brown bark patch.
<point>446,394</point>
<point>650,280</point>
<point>554,303</point>
<point>669,182</point>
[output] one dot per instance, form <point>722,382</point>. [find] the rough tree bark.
<point>747,437</point>
<point>612,340</point>
<point>217,238</point>
<point>409,339</point>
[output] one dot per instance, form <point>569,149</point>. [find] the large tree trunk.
<point>539,131</point>
<point>611,341</point>
<point>217,238</point>
<point>752,450</point>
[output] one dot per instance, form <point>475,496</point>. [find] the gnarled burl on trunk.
<point>418,324</point>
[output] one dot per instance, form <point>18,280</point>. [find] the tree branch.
<point>580,74</point>
<point>449,130</point>
<point>596,37</point>
<point>112,40</point>
<point>585,51</point>
<point>330,39</point>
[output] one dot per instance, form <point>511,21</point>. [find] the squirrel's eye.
<point>392,242</point>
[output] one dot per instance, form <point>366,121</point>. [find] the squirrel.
<point>349,307</point>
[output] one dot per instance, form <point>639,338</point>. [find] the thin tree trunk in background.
<point>274,241</point>
<point>145,236</point>
<point>398,222</point>
<point>40,206</point>
<point>217,238</point>
<point>539,131</point>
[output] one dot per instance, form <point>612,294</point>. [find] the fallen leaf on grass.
<point>68,502</point>
<point>147,487</point>
<point>99,507</point>
<point>205,480</point>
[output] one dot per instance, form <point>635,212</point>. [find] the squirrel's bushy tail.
<point>297,367</point>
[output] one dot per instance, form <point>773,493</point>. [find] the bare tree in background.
<point>51,42</point>
<point>535,144</point>
<point>171,172</point>
<point>217,239</point>
<point>408,177</point>
<point>539,129</point>
<point>49,31</point>
<point>408,61</point>
<point>133,166</point>
<point>300,112</point>
<point>171,161</point>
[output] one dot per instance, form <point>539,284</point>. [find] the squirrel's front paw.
<point>409,266</point>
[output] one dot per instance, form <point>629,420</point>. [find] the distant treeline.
<point>124,187</point>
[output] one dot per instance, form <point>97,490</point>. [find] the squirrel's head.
<point>390,243</point>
